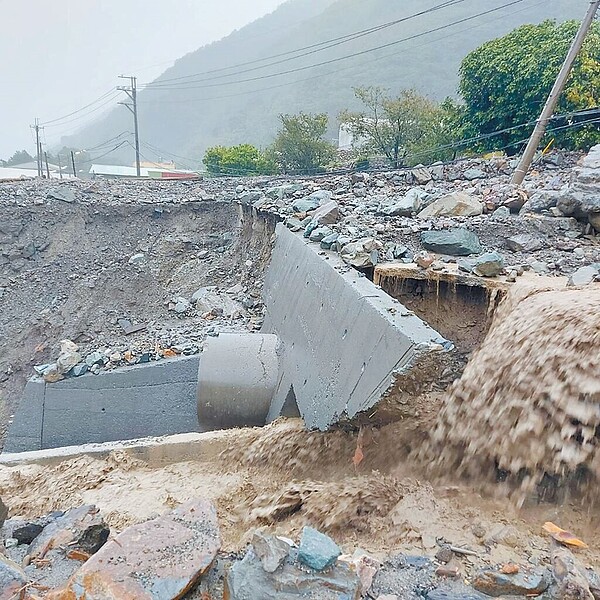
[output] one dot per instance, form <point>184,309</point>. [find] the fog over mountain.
<point>59,56</point>
<point>232,91</point>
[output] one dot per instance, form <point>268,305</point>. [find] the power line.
<point>306,50</point>
<point>80,109</point>
<point>348,56</point>
<point>323,75</point>
<point>131,92</point>
<point>87,114</point>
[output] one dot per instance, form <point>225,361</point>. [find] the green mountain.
<point>205,99</point>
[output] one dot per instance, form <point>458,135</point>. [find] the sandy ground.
<point>282,477</point>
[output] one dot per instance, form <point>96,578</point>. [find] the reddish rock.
<point>163,558</point>
<point>80,528</point>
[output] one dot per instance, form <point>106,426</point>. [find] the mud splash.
<point>527,408</point>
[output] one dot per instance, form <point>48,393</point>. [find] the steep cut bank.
<point>530,394</point>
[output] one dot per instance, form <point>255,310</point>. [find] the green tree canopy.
<point>18,158</point>
<point>242,160</point>
<point>299,146</point>
<point>505,83</point>
<point>406,129</point>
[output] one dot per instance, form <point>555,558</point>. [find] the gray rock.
<point>307,204</point>
<point>94,358</point>
<point>294,224</point>
<point>79,370</point>
<point>64,194</point>
<point>247,580</point>
<point>182,305</point>
<point>490,264</point>
<point>524,583</point>
<point>327,214</point>
<point>524,242</point>
<point>271,551</point>
<point>3,512</point>
<point>457,204</point>
<point>317,550</point>
<point>281,191</point>
<point>137,259</point>
<point>413,202</point>
<point>539,267</point>
<point>455,242</point>
<point>540,202</point>
<point>12,579</point>
<point>361,254</point>
<point>455,592</point>
<point>328,241</point>
<point>320,233</point>
<point>584,276</point>
<point>502,212</point>
<point>594,220</point>
<point>421,175</point>
<point>474,173</point>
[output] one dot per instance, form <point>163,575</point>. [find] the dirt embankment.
<point>66,272</point>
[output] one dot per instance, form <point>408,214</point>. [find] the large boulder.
<point>413,202</point>
<point>455,242</point>
<point>456,204</point>
<point>362,254</point>
<point>162,558</point>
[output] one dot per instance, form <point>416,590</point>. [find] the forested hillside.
<point>197,104</point>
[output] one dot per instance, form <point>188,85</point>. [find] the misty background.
<point>59,56</point>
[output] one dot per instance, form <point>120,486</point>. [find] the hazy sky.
<point>59,56</point>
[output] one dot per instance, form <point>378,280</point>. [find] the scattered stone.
<point>294,224</point>
<point>452,569</point>
<point>3,512</point>
<point>328,241</point>
<point>137,259</point>
<point>362,254</point>
<point>525,583</point>
<point>455,242</point>
<point>455,592</point>
<point>64,194</point>
<point>317,550</point>
<point>129,328</point>
<point>584,276</point>
<point>94,358</point>
<point>74,529</point>
<point>502,212</point>
<point>457,204</point>
<point>327,214</point>
<point>413,202</point>
<point>68,357</point>
<point>490,264</point>
<point>247,580</point>
<point>12,580</point>
<point>444,555</point>
<point>541,201</point>
<point>474,173</point>
<point>79,370</point>
<point>162,558</point>
<point>182,305</point>
<point>421,175</point>
<point>424,259</point>
<point>27,533</point>
<point>524,243</point>
<point>271,551</point>
<point>569,575</point>
<point>320,233</point>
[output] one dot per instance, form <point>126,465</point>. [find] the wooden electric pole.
<point>59,165</point>
<point>47,167</point>
<point>550,106</point>
<point>132,93</point>
<point>73,163</point>
<point>36,127</point>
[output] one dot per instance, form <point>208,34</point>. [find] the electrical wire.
<point>87,114</point>
<point>306,50</point>
<point>80,109</point>
<point>348,56</point>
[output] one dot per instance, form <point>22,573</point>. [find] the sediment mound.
<point>528,403</point>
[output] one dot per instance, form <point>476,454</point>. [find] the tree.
<point>242,160</point>
<point>506,81</point>
<point>18,158</point>
<point>299,146</point>
<point>406,130</point>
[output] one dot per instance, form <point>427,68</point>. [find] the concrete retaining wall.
<point>146,400</point>
<point>345,342</point>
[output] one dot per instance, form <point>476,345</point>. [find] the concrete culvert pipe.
<point>237,378</point>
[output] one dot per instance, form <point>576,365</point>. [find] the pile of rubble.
<point>73,555</point>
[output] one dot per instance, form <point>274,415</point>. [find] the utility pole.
<point>132,93</point>
<point>59,165</point>
<point>47,167</point>
<point>550,106</point>
<point>36,128</point>
<point>73,163</point>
